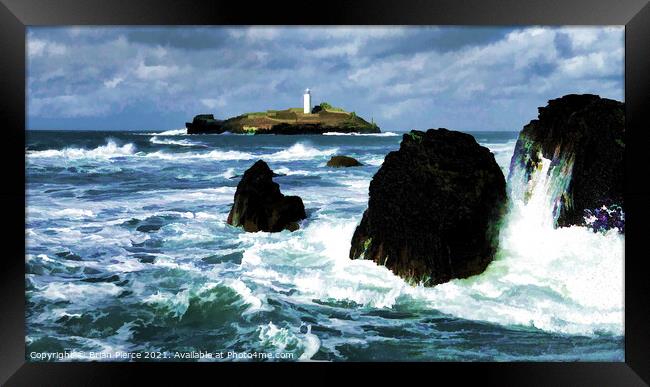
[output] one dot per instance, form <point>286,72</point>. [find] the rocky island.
<point>321,119</point>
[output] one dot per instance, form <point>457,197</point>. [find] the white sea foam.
<point>176,304</point>
<point>290,172</point>
<point>281,339</point>
<point>502,153</point>
<point>229,173</point>
<point>79,292</point>
<point>216,155</point>
<point>299,151</point>
<point>173,132</point>
<point>278,338</point>
<point>111,149</point>
<point>376,161</point>
<point>126,266</point>
<point>165,141</point>
<point>311,344</point>
<point>506,147</point>
<point>357,185</point>
<point>255,303</point>
<point>383,134</point>
<point>75,213</point>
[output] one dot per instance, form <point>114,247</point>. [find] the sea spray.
<point>561,280</point>
<point>566,280</point>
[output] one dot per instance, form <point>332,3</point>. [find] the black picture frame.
<point>16,15</point>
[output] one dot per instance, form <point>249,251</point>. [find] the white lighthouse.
<point>307,102</point>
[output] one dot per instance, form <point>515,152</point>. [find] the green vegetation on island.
<point>323,118</point>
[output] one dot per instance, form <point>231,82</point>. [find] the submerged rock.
<point>260,206</point>
<point>582,139</point>
<point>434,208</point>
<point>343,161</point>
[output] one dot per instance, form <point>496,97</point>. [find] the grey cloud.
<point>181,37</point>
<point>463,78</point>
<point>542,69</point>
<point>563,44</point>
<point>439,40</point>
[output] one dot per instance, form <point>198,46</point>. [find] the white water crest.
<point>164,141</point>
<point>288,172</point>
<point>173,132</point>
<point>299,151</point>
<point>383,134</point>
<point>111,149</point>
<point>229,173</point>
<point>216,155</point>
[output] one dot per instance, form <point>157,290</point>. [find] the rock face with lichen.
<point>434,208</point>
<point>581,137</point>
<point>260,206</point>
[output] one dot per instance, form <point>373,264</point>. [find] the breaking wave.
<point>383,134</point>
<point>162,141</point>
<point>298,151</point>
<point>111,149</point>
<point>173,132</point>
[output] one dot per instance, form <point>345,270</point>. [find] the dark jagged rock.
<point>260,206</point>
<point>584,133</point>
<point>434,208</point>
<point>343,161</point>
<point>204,123</point>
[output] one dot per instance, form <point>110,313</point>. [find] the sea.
<point>128,252</point>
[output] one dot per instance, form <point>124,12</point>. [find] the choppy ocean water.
<point>128,250</point>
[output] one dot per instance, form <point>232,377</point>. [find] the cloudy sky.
<point>463,78</point>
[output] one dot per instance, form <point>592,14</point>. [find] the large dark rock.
<point>584,135</point>
<point>434,208</point>
<point>204,123</point>
<point>260,206</point>
<point>343,161</point>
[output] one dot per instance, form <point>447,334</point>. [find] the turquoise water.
<point>128,250</point>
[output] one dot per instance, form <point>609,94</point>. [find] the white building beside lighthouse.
<point>307,102</point>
